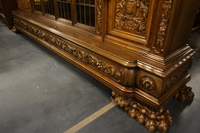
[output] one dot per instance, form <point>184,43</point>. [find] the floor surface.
<point>42,93</point>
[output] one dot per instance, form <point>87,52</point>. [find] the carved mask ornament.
<point>131,7</point>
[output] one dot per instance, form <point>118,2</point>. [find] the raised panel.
<point>25,5</point>
<point>131,19</point>
<point>131,16</point>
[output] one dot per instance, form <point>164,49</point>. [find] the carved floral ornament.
<point>99,17</point>
<point>104,67</point>
<point>148,83</point>
<point>131,15</point>
<point>165,16</point>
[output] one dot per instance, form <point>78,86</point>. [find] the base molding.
<point>153,120</point>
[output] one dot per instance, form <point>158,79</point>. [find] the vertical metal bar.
<point>80,11</point>
<point>90,23</point>
<point>64,11</point>
<point>60,6</point>
<point>45,7</point>
<point>50,2</point>
<point>67,11</point>
<point>84,13</point>
<point>48,6</point>
<point>61,9</point>
<point>52,7</point>
<point>35,6</point>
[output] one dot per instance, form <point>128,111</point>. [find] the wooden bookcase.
<point>138,48</point>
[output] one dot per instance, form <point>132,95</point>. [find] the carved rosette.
<point>131,16</point>
<point>99,17</point>
<point>165,16</point>
<point>88,58</point>
<point>153,120</point>
<point>148,84</point>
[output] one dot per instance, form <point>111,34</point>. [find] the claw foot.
<point>185,95</point>
<point>153,120</point>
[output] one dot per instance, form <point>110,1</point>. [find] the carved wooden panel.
<point>24,4</point>
<point>131,15</point>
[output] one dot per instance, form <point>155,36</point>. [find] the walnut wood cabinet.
<point>138,48</point>
<point>6,8</point>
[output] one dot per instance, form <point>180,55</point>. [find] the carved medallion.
<point>131,16</point>
<point>148,84</point>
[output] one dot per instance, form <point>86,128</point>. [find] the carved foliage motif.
<point>131,16</point>
<point>99,17</point>
<point>166,10</point>
<point>153,120</point>
<point>148,84</point>
<point>108,69</point>
<point>178,75</point>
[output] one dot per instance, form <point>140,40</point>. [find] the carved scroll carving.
<point>131,16</point>
<point>99,17</point>
<point>88,58</point>
<point>165,16</point>
<point>148,84</point>
<point>153,120</point>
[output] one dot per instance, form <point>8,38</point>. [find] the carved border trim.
<point>104,67</point>
<point>99,17</point>
<point>165,16</point>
